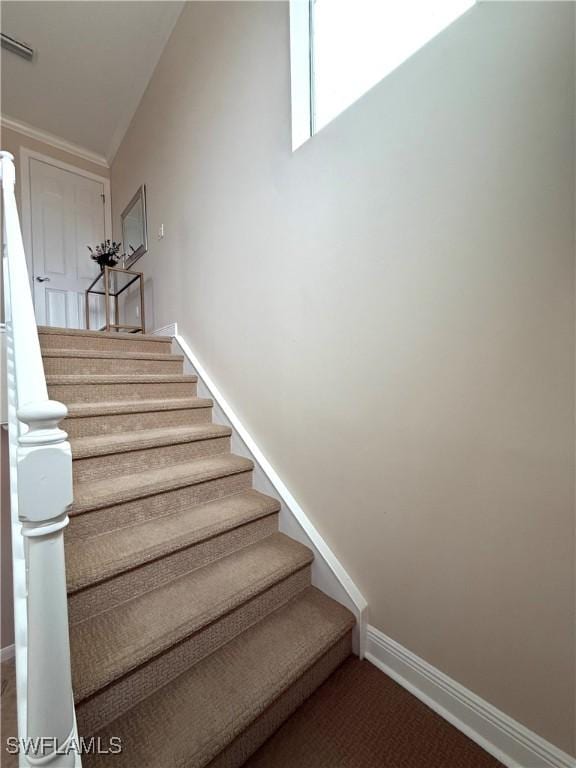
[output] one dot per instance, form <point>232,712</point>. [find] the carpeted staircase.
<point>194,629</point>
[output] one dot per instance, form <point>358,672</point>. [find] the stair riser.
<point>112,465</point>
<point>87,426</point>
<point>92,600</point>
<point>245,745</point>
<point>97,393</point>
<point>102,365</point>
<point>103,343</point>
<point>103,707</point>
<point>129,513</point>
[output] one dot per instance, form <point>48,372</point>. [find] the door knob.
<point>43,279</point>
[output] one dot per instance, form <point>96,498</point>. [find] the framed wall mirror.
<point>134,229</point>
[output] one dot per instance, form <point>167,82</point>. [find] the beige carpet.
<point>360,718</point>
<point>194,629</point>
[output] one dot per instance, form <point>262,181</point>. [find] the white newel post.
<point>43,469</point>
<point>45,492</point>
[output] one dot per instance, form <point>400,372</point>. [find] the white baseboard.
<point>504,738</point>
<point>328,573</point>
<point>7,653</point>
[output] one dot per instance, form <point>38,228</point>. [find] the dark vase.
<point>106,261</point>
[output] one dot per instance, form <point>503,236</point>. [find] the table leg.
<point>142,304</point>
<point>107,298</point>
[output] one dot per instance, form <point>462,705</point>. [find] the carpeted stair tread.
<point>45,330</point>
<point>195,717</point>
<point>192,619</point>
<point>110,355</point>
<point>111,644</point>
<point>116,490</point>
<point>90,561</point>
<point>116,407</point>
<point>123,378</point>
<point>120,442</point>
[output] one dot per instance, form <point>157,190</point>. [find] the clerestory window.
<point>342,48</point>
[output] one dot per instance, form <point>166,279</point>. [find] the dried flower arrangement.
<point>106,254</point>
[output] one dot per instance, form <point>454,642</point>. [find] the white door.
<point>67,214</point>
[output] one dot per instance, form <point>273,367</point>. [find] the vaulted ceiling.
<point>92,65</point>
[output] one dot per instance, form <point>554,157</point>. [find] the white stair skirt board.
<point>508,741</point>
<point>7,653</point>
<point>327,572</point>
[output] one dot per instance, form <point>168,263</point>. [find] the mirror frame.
<point>132,258</point>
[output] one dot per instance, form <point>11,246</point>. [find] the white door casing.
<point>64,209</point>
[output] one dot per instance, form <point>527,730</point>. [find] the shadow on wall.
<point>6,604</point>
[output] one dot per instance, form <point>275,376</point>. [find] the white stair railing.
<point>41,492</point>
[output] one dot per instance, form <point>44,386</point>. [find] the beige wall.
<point>390,311</point>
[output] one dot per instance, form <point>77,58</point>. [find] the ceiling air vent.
<point>16,46</point>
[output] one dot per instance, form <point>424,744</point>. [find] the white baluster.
<point>41,460</point>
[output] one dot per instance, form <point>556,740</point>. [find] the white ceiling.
<point>93,62</point>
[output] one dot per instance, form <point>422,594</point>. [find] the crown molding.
<point>53,141</point>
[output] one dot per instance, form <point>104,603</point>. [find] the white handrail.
<point>41,492</point>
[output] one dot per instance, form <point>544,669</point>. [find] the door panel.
<point>56,308</point>
<point>67,214</point>
<point>52,229</point>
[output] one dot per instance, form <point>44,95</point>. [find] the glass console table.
<point>110,283</point>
